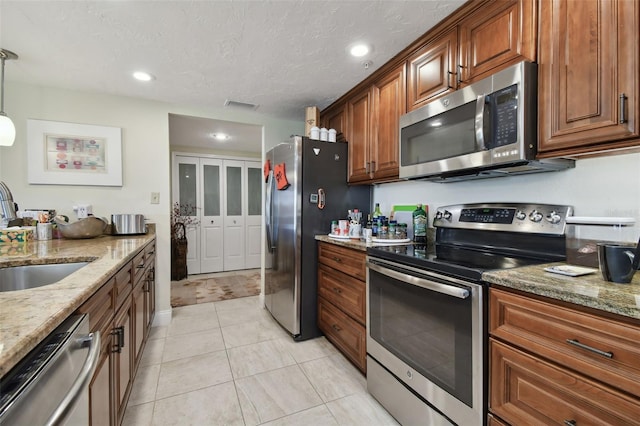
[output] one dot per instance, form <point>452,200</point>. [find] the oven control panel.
<point>512,217</point>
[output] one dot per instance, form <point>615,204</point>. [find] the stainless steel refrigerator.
<point>316,173</point>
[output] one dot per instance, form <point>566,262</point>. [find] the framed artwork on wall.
<point>73,154</point>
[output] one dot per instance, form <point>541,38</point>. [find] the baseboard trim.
<point>162,318</point>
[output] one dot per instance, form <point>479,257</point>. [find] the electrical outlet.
<point>83,210</point>
<point>155,198</point>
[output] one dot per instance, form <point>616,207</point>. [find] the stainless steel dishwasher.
<point>50,386</point>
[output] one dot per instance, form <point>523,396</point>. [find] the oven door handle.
<point>450,290</point>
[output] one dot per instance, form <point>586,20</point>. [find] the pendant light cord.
<point>2,87</point>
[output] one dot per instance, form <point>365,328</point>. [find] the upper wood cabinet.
<point>588,76</point>
<point>335,117</point>
<point>495,36</point>
<point>432,70</point>
<point>373,117</point>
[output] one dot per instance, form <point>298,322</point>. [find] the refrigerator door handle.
<point>269,214</point>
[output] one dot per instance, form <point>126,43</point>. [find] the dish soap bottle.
<point>419,225</point>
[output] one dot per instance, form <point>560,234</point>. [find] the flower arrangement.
<point>181,217</point>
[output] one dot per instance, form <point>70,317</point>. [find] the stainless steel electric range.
<point>427,309</point>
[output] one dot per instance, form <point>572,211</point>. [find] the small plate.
<point>572,271</point>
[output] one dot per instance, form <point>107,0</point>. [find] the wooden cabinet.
<point>550,364</point>
<point>335,117</point>
<point>342,300</point>
<point>486,40</point>
<point>123,317</point>
<point>496,35</point>
<point>432,70</point>
<point>588,76</point>
<point>123,357</point>
<point>373,117</point>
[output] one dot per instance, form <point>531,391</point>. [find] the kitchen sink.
<point>32,276</point>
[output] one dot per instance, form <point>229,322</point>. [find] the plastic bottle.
<point>419,225</point>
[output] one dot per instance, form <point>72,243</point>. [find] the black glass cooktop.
<point>461,262</point>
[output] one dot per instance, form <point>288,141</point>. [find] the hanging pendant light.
<point>7,129</point>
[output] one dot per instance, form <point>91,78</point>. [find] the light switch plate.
<point>155,198</point>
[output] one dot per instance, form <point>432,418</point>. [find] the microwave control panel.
<point>505,120</point>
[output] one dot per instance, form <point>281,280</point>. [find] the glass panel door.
<point>185,193</point>
<point>212,259</point>
<point>253,219</point>
<point>234,235</point>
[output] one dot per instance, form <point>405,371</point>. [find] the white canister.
<point>315,133</point>
<point>332,135</point>
<point>324,134</point>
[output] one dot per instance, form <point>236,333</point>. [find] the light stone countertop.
<point>587,290</point>
<point>28,316</point>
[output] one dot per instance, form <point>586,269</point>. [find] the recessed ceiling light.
<point>220,136</point>
<point>143,76</point>
<point>359,50</point>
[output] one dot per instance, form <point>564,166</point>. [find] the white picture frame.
<point>62,153</point>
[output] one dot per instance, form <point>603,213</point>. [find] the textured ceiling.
<point>280,55</point>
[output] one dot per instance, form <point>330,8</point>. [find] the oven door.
<point>427,330</point>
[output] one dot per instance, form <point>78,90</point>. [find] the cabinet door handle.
<point>459,76</point>
<point>140,266</point>
<point>119,333</point>
<point>337,259</point>
<point>574,342</point>
<point>336,328</point>
<point>449,86</point>
<point>570,422</point>
<point>337,290</point>
<point>373,167</point>
<point>366,168</point>
<point>623,101</point>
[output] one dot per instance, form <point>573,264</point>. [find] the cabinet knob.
<point>336,328</point>
<point>570,422</point>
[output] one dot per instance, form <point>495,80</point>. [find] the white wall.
<point>146,158</point>
<point>607,186</point>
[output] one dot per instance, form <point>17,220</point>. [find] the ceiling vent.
<point>240,105</point>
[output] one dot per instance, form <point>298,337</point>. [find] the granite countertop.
<point>587,290</point>
<point>28,316</point>
<point>356,244</point>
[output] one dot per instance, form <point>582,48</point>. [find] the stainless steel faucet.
<point>7,206</point>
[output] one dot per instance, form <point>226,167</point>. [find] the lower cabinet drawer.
<point>344,332</point>
<point>602,348</point>
<point>344,291</point>
<point>526,390</point>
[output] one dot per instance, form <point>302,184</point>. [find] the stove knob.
<point>553,217</point>
<point>447,215</point>
<point>520,215</point>
<point>535,216</point>
<point>438,215</point>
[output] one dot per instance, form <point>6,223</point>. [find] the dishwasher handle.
<point>82,381</point>
<point>449,290</point>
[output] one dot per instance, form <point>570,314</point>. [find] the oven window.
<point>429,331</point>
<point>446,135</point>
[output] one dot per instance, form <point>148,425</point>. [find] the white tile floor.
<point>230,363</point>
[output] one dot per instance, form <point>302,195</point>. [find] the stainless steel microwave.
<point>486,129</point>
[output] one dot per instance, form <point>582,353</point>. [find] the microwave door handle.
<point>479,122</point>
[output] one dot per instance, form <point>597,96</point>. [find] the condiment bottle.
<point>419,225</point>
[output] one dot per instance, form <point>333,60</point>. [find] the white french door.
<point>234,231</point>
<point>253,214</point>
<point>226,197</point>
<point>185,189</point>
<point>211,222</point>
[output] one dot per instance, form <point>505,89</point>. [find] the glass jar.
<point>393,225</point>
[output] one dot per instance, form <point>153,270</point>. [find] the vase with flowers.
<point>182,215</point>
